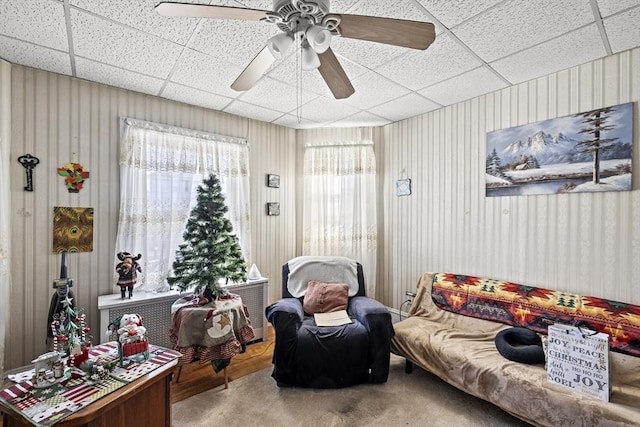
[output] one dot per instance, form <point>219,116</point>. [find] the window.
<point>161,168</point>
<point>339,210</point>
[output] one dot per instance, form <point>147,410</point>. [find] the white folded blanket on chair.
<point>329,269</point>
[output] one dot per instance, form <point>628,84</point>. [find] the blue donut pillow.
<point>520,345</point>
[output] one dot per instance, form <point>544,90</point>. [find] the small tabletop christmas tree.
<point>210,252</point>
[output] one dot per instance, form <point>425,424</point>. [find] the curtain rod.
<point>177,130</point>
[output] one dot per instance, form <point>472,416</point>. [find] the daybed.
<point>441,336</point>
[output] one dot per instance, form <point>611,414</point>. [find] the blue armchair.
<point>307,355</point>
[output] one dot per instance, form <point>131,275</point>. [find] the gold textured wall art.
<point>72,229</point>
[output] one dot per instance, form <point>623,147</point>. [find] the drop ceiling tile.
<point>249,4</point>
<point>407,106</point>
<point>275,95</point>
<point>200,71</point>
<point>362,118</point>
<point>368,54</point>
<point>390,9</point>
<point>234,41</point>
<point>17,18</point>
<point>291,121</point>
<point>286,71</point>
<point>325,109</point>
<point>609,7</point>
<point>31,55</point>
<point>463,87</point>
<point>193,96</point>
<point>618,30</point>
<point>452,12</point>
<point>445,58</point>
<point>373,89</point>
<point>117,77</point>
<point>244,109</point>
<point>141,15</point>
<point>110,43</point>
<point>563,52</point>
<point>516,25</point>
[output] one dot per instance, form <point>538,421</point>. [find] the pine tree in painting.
<point>494,165</point>
<point>210,255</point>
<point>596,125</point>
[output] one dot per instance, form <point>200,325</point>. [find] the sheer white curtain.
<point>5,201</point>
<point>339,210</point>
<point>161,168</point>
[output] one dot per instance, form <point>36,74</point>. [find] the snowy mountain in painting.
<point>549,149</point>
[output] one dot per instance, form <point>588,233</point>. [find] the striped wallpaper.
<point>584,243</point>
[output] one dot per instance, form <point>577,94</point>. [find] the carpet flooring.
<point>416,399</point>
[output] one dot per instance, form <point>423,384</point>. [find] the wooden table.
<point>143,402</point>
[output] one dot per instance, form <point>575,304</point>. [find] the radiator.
<point>156,310</point>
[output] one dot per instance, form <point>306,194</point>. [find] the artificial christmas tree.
<point>210,255</point>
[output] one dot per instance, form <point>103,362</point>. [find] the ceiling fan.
<point>312,26</point>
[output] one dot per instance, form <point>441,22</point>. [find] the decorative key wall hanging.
<point>29,162</point>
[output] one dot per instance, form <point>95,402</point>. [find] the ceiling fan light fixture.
<point>319,38</point>
<point>310,59</point>
<point>279,44</point>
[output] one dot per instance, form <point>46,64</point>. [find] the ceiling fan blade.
<point>252,73</point>
<point>398,32</point>
<point>206,11</point>
<point>334,75</point>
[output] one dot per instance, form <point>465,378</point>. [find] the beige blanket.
<point>461,351</point>
<point>329,269</point>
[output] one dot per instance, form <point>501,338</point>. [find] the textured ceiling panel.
<point>204,72</point>
<point>243,109</point>
<point>367,54</point>
<point>516,24</point>
<point>326,110</point>
<point>113,44</point>
<point>405,106</point>
<point>474,83</point>
<point>451,13</point>
<point>117,77</point>
<point>127,44</point>
<point>36,21</point>
<point>617,28</point>
<point>292,121</point>
<point>609,7</point>
<point>195,97</point>
<point>566,51</point>
<point>136,14</point>
<point>359,118</point>
<point>372,89</point>
<point>399,9</point>
<point>278,96</point>
<point>417,69</point>
<point>19,52</point>
<point>236,42</point>
<point>287,71</point>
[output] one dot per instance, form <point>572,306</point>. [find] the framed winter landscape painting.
<point>584,152</point>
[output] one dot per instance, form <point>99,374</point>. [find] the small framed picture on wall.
<point>273,180</point>
<point>273,209</point>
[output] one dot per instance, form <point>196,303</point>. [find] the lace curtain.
<point>339,210</point>
<point>5,240</point>
<point>161,168</point>
<point>5,201</point>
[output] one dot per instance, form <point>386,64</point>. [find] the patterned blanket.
<point>209,331</point>
<point>536,308</point>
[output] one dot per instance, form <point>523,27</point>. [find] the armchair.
<point>308,355</point>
